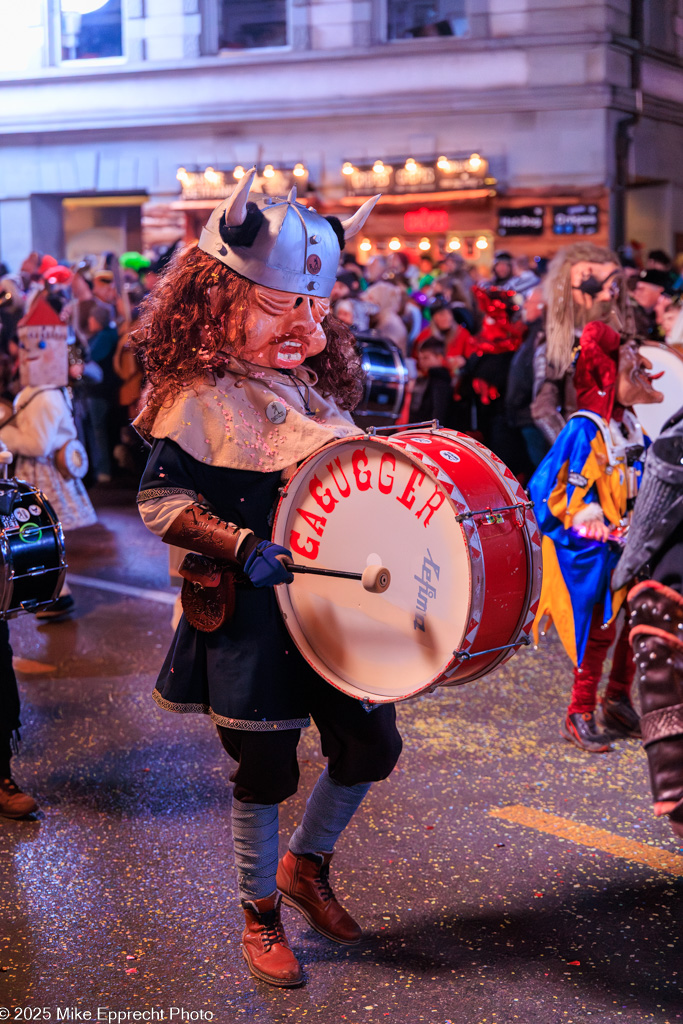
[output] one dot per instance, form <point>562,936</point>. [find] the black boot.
<point>620,716</point>
<point>581,730</point>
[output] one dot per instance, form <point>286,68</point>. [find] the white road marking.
<point>160,596</point>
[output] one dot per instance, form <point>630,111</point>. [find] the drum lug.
<point>524,641</point>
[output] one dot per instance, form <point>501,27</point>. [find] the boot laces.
<point>323,884</point>
<point>273,933</point>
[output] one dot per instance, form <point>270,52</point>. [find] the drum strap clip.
<point>493,515</point>
<point>467,656</point>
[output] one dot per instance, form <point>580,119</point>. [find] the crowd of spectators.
<point>470,339</point>
<point>98,300</point>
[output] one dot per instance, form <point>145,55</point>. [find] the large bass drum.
<point>669,362</point>
<point>385,382</point>
<point>455,530</point>
<point>32,556</point>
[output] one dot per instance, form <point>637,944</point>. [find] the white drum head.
<point>653,417</point>
<point>382,507</point>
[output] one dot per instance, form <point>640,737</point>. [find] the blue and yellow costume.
<point>582,469</point>
<point>590,476</point>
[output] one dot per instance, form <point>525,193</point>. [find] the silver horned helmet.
<point>277,242</point>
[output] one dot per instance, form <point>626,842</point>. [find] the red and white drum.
<point>451,524</point>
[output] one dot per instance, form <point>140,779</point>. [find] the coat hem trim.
<point>246,724</point>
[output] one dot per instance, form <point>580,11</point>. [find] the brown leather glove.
<point>197,529</point>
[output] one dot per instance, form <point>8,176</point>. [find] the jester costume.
<point>591,475</point>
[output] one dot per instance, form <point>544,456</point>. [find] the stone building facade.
<point>568,107</point>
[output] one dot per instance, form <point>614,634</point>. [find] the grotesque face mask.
<point>283,329</point>
<point>634,383</point>
<point>43,351</point>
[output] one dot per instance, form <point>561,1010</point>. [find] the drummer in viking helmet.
<point>249,374</point>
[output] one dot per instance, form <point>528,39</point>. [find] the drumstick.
<point>375,578</point>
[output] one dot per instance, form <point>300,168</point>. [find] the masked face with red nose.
<point>283,329</point>
<point>634,382</point>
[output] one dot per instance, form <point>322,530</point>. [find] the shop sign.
<point>222,183</point>
<point>579,219</point>
<point>418,176</point>
<point>520,220</point>
<point>425,221</point>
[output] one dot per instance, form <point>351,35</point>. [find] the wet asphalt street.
<point>500,875</point>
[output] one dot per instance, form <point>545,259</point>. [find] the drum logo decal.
<point>426,589</point>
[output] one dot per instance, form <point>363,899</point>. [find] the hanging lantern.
<point>239,172</point>
<point>365,245</point>
<point>482,243</point>
<point>213,177</point>
<point>395,244</point>
<point>411,166</point>
<point>269,171</point>
<point>443,163</point>
<point>299,170</point>
<point>378,167</point>
<point>454,244</point>
<point>475,162</point>
<point>347,168</point>
<point>424,244</point>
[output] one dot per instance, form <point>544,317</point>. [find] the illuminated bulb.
<point>268,171</point>
<point>182,175</point>
<point>454,244</point>
<point>378,167</point>
<point>395,244</point>
<point>239,172</point>
<point>298,170</point>
<point>365,245</point>
<point>443,164</point>
<point>475,162</point>
<point>212,176</point>
<point>424,244</point>
<point>347,168</point>
<point>482,243</point>
<point>411,166</point>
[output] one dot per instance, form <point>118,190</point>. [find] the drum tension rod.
<point>493,511</point>
<point>401,427</point>
<point>466,656</point>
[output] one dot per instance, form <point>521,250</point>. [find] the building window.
<point>250,24</point>
<point>415,19</point>
<point>91,29</point>
<point>659,26</point>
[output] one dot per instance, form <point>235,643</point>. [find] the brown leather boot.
<point>265,946</point>
<point>305,885</point>
<point>14,803</point>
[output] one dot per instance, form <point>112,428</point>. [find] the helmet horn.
<point>352,225</point>
<point>237,210</point>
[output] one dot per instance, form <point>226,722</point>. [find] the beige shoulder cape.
<point>252,418</point>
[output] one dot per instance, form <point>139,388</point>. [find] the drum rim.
<point>534,552</point>
<point>285,604</point>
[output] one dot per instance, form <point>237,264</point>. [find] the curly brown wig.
<point>194,321</point>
